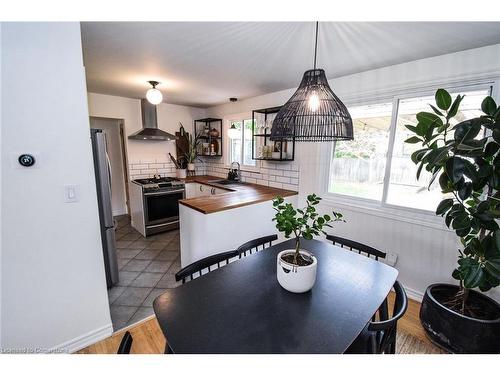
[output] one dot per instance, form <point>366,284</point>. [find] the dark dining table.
<point>241,308</point>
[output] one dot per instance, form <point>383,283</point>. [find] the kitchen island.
<point>225,218</point>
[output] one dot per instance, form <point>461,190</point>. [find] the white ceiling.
<point>205,63</point>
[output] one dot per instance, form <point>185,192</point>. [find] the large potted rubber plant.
<point>465,160</point>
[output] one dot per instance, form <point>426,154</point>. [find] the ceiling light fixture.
<point>154,96</point>
<point>313,113</point>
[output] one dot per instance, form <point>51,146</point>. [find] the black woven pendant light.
<point>313,113</point>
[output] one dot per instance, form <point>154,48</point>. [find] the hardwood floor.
<point>148,338</point>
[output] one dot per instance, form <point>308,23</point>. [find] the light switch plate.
<point>70,193</point>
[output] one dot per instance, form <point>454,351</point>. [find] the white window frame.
<point>382,208</point>
<point>239,117</point>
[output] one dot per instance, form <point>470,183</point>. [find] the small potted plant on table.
<point>465,159</point>
<point>296,268</point>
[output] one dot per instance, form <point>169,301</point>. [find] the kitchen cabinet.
<point>190,190</point>
<point>195,189</point>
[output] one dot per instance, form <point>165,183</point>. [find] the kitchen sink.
<point>225,182</point>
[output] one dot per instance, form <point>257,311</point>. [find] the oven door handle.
<point>164,193</point>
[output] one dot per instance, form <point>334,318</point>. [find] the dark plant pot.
<point>457,333</point>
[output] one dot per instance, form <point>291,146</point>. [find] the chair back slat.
<point>253,245</point>
<point>205,263</point>
<point>386,328</point>
<point>125,344</point>
<point>359,247</point>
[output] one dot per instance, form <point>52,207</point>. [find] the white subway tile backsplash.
<point>267,173</point>
<point>138,166</point>
<point>291,174</point>
<point>290,187</point>
<point>262,182</point>
<point>284,166</point>
<point>285,180</point>
<point>276,172</point>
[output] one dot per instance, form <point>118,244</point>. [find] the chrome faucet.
<point>238,175</point>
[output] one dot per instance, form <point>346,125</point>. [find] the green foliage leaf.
<point>491,149</point>
<point>489,106</point>
<point>411,128</point>
<point>444,206</point>
<point>467,130</point>
<point>436,111</point>
<point>454,107</point>
<point>418,155</point>
<point>429,119</point>
<point>455,168</point>
<point>443,99</point>
<point>413,139</point>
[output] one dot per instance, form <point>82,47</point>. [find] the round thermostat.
<point>26,160</point>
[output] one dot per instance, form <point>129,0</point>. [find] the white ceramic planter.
<point>296,279</point>
<point>180,173</point>
<point>190,166</point>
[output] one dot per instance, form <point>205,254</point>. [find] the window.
<point>241,147</point>
<point>404,189</point>
<point>358,168</point>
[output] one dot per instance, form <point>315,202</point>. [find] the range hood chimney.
<point>150,131</point>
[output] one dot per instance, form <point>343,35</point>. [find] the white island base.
<point>202,234</point>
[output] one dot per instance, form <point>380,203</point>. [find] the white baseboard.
<point>414,294</point>
<point>122,211</point>
<point>80,342</point>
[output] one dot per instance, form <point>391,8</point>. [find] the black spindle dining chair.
<point>209,263</point>
<point>125,344</point>
<point>380,336</point>
<point>255,244</point>
<point>356,247</point>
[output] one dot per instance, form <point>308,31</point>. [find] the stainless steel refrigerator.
<point>103,180</point>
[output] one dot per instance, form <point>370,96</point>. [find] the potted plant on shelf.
<point>296,268</point>
<point>465,159</point>
<point>192,153</point>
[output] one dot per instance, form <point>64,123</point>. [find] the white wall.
<point>53,281</point>
<point>427,252</point>
<point>169,116</point>
<point>0,188</point>
<point>111,128</point>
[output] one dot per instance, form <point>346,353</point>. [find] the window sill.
<point>408,215</point>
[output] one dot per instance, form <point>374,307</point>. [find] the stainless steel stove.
<point>158,209</point>
<point>160,184</point>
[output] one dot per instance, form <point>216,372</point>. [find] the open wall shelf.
<point>209,131</point>
<point>262,146</point>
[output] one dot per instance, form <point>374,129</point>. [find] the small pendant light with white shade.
<point>153,95</point>
<point>233,133</point>
<point>313,113</point>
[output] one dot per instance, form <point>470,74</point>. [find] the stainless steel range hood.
<point>150,129</point>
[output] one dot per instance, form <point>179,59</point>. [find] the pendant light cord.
<point>316,44</point>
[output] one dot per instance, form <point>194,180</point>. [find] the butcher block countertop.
<point>238,195</point>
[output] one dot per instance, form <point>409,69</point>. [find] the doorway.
<point>115,143</point>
